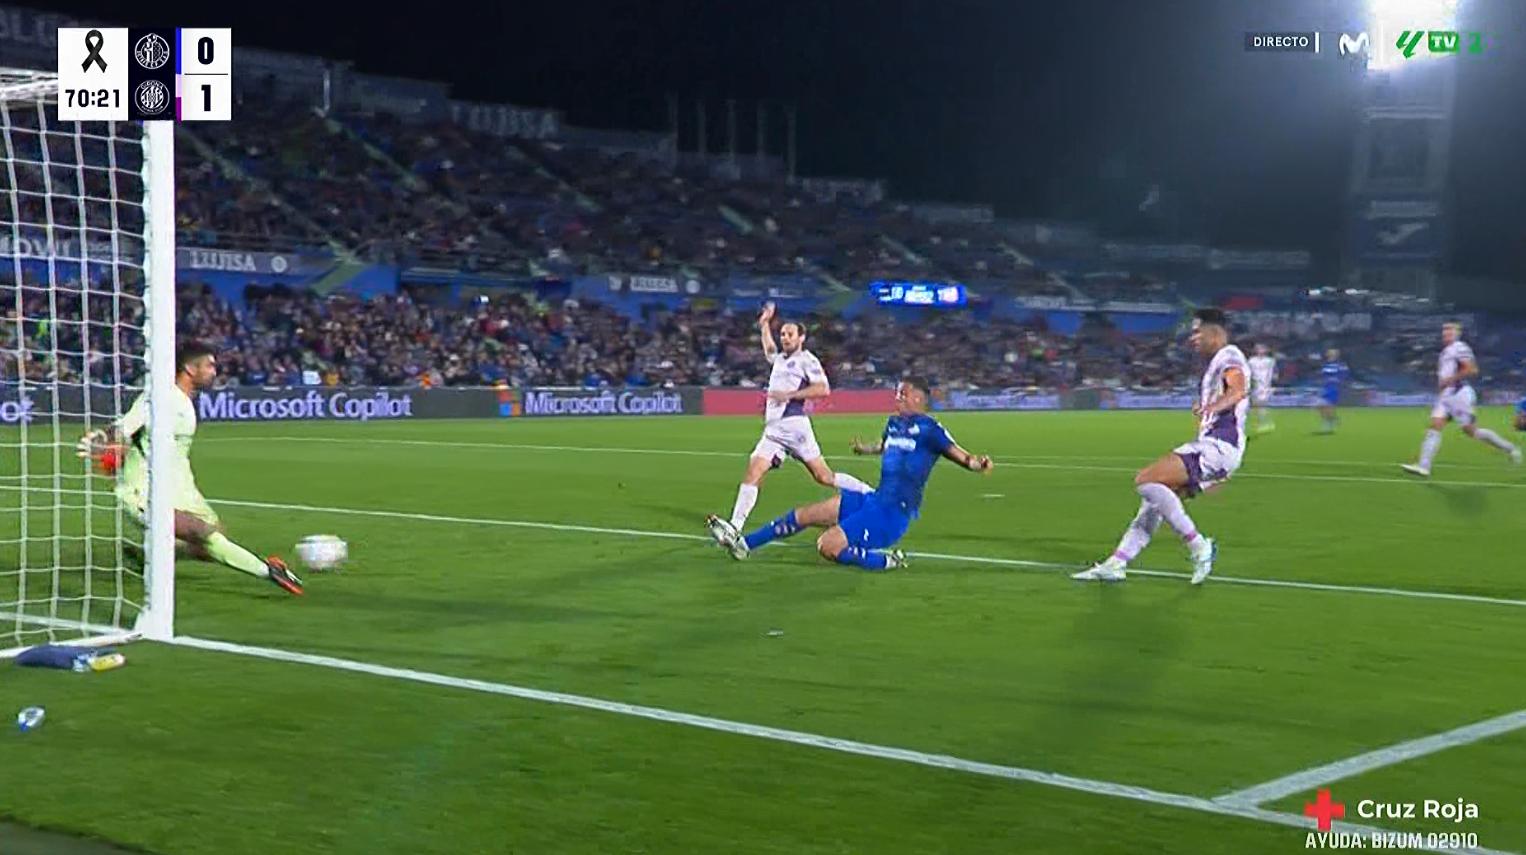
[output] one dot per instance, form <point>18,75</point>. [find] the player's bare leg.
<point>1327,414</point>
<point>835,480</point>
<point>1161,486</point>
<point>205,540</point>
<point>833,546</point>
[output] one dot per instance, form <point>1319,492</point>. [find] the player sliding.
<point>796,378</point>
<point>1454,402</point>
<point>197,528</point>
<point>1263,374</point>
<point>1192,468</point>
<point>861,526</point>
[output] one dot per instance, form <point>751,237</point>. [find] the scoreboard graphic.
<point>119,74</point>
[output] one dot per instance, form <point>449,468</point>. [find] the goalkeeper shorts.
<point>136,506</point>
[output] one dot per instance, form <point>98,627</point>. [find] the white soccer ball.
<point>322,552</point>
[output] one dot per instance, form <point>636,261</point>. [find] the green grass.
<point>1152,683</point>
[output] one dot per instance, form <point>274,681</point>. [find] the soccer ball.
<point>322,552</point>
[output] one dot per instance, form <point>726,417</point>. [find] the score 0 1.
<point>204,80</point>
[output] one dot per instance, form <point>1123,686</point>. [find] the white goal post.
<point>87,323</point>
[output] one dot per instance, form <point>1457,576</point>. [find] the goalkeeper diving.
<point>124,446</point>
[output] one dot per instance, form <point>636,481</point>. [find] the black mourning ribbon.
<point>93,42</point>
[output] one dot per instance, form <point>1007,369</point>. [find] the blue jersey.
<point>1521,407</point>
<point>1334,374</point>
<point>912,445</point>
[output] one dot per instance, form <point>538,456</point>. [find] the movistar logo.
<point>1350,46</point>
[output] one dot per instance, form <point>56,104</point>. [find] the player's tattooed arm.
<point>1234,393</point>
<point>861,447</point>
<point>972,462</point>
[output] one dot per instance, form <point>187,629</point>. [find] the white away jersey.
<point>1229,425</point>
<point>1263,369</point>
<point>1452,357</point>
<point>792,373</point>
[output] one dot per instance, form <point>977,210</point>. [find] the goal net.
<point>86,325</point>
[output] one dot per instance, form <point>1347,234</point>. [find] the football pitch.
<point>536,649</point>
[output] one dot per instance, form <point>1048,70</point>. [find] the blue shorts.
<point>869,522</point>
<point>1331,395</point>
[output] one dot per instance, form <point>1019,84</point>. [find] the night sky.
<point>1058,109</point>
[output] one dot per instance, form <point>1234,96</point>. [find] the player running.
<point>1192,468</point>
<point>1334,373</point>
<point>1455,403</point>
<point>797,377</point>
<point>861,526</point>
<point>1263,373</point>
<point>197,527</point>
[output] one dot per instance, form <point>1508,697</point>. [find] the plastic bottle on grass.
<point>30,718</point>
<point>99,661</point>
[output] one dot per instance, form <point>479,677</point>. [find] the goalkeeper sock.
<point>225,551</point>
<point>869,559</point>
<point>844,481</point>
<point>782,527</point>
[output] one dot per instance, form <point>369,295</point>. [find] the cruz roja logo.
<point>1353,45</point>
<point>1325,811</point>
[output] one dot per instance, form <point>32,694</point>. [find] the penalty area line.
<point>942,556</point>
<point>794,737</point>
<point>1329,773</point>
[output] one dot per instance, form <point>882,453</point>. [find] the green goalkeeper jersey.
<point>132,485</point>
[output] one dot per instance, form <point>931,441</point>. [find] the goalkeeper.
<point>124,445</point>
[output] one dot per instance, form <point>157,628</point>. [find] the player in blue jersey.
<point>860,527</point>
<point>1520,415</point>
<point>1333,374</point>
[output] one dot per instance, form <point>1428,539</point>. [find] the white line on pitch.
<point>795,737</point>
<point>1010,462</point>
<point>1321,776</point>
<point>975,559</point>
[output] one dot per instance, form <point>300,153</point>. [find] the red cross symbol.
<point>1322,809</point>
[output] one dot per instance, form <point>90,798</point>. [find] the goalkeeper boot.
<point>282,576</point>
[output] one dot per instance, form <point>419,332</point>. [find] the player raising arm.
<point>796,377</point>
<point>197,528</point>
<point>1455,399</point>
<point>1195,466</point>
<point>861,526</point>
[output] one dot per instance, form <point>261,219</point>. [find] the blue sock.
<point>857,556</point>
<point>782,527</point>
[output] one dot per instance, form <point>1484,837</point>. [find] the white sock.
<point>747,496</point>
<point>844,481</point>
<point>1169,506</point>
<point>1137,536</point>
<point>1428,448</point>
<point>1494,439</point>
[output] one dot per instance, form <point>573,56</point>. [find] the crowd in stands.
<point>278,335</point>
<point>441,194</point>
<point>285,337</point>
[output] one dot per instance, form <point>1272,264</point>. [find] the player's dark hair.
<point>188,352</point>
<point>796,324</point>
<point>1211,315</point>
<point>919,383</point>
